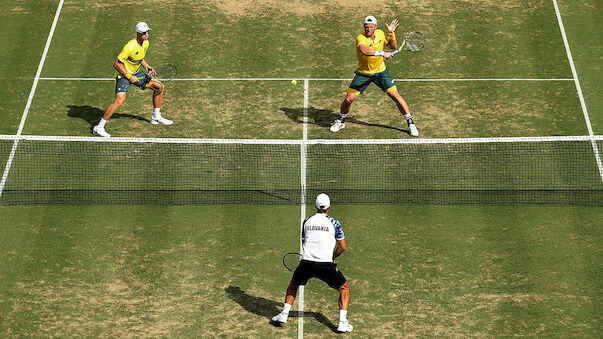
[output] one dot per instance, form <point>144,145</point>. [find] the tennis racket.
<point>291,260</point>
<point>165,72</point>
<point>413,42</point>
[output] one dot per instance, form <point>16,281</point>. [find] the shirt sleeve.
<point>338,230</point>
<point>360,40</point>
<point>303,235</point>
<point>125,54</point>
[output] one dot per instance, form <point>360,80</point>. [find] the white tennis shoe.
<point>344,326</point>
<point>100,131</point>
<point>337,125</point>
<point>161,121</point>
<point>414,132</point>
<point>280,318</point>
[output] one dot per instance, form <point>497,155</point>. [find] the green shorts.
<point>361,81</point>
<point>123,85</point>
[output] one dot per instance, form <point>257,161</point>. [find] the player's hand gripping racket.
<point>413,42</point>
<point>164,72</point>
<point>291,260</point>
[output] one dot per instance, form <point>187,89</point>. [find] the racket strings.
<point>414,41</point>
<point>291,261</point>
<point>166,71</point>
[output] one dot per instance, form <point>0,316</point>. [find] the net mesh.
<point>88,172</point>
<point>476,173</point>
<point>153,173</point>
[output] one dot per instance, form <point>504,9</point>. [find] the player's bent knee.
<point>393,91</point>
<point>350,98</point>
<point>345,288</point>
<point>119,100</point>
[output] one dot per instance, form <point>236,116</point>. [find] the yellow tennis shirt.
<point>371,64</point>
<point>132,54</point>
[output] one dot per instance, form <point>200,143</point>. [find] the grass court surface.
<point>215,270</point>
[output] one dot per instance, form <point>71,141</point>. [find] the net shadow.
<point>293,197</point>
<point>155,197</point>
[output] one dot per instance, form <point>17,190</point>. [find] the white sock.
<point>286,308</point>
<point>342,116</point>
<point>156,112</point>
<point>407,116</point>
<point>101,123</point>
<point>343,315</point>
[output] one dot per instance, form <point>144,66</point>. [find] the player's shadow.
<point>325,117</point>
<point>92,115</point>
<point>268,308</point>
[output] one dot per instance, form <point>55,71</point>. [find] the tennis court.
<point>488,224</point>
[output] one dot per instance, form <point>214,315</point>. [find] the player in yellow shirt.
<point>372,69</point>
<point>128,71</point>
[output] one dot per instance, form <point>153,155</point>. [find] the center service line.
<point>303,148</point>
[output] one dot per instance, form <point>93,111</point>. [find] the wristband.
<point>128,75</point>
<point>392,36</point>
<point>378,53</point>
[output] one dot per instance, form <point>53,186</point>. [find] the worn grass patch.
<point>271,38</point>
<point>200,109</point>
<point>217,271</point>
<point>149,274</point>
<point>450,110</point>
<point>415,271</point>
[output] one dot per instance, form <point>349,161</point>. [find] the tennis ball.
<point>294,82</point>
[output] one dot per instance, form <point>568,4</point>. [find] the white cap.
<point>323,202</point>
<point>370,20</point>
<point>142,27</point>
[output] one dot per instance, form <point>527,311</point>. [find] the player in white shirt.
<point>320,234</point>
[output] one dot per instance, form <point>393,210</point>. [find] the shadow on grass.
<point>325,117</point>
<point>268,308</point>
<point>92,115</point>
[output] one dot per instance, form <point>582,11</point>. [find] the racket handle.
<point>399,48</point>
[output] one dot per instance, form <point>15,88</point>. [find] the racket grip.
<point>395,52</point>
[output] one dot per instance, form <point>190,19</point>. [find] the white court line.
<point>460,79</point>
<point>579,89</point>
<point>299,141</point>
<point>305,117</point>
<point>30,98</point>
<point>324,79</point>
<point>303,148</point>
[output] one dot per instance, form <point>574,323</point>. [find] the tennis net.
<point>83,170</point>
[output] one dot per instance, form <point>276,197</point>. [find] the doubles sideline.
<point>30,98</point>
<point>578,88</point>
